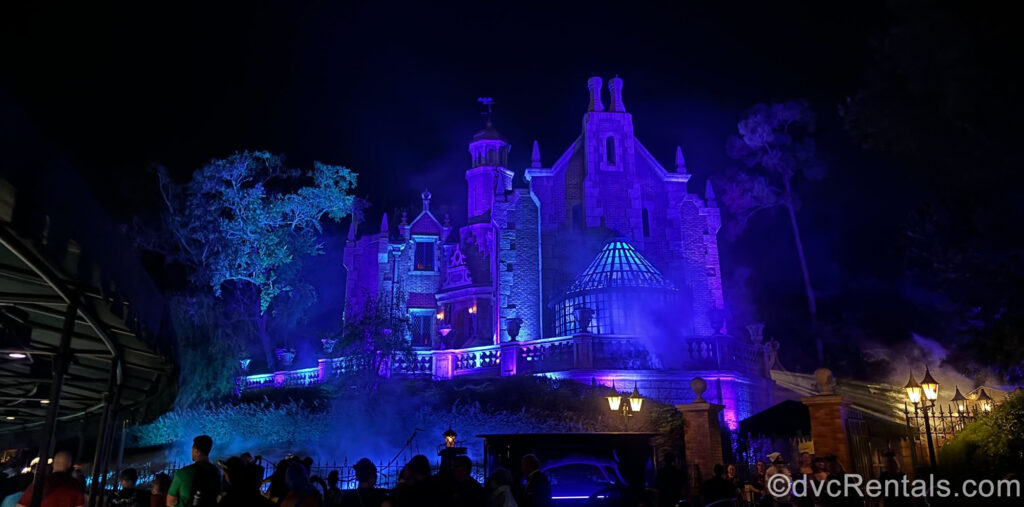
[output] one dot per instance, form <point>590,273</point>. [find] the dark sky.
<point>390,91</point>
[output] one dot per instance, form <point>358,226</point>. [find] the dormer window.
<point>424,256</point>
<point>609,150</point>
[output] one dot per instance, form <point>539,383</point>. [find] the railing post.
<point>510,358</point>
<point>584,357</point>
<point>444,364</point>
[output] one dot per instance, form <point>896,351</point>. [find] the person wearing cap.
<point>366,493</point>
<point>243,488</point>
<point>128,495</point>
<point>778,468</point>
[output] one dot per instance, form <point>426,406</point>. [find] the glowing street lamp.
<point>17,355</point>
<point>913,391</point>
<point>449,438</point>
<point>930,389</point>
<point>615,401</point>
<point>960,401</point>
<point>635,403</point>
<point>930,386</point>
<point>985,401</point>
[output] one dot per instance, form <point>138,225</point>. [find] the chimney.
<point>535,158</point>
<point>594,85</point>
<point>615,89</point>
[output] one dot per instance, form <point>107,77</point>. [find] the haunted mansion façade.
<point>602,268</point>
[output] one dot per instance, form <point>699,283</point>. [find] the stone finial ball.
<point>823,377</point>
<point>698,385</point>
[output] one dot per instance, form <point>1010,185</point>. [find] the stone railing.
<point>279,379</point>
<point>548,355</point>
<point>476,359</point>
<point>420,362</point>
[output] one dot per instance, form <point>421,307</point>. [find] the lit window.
<point>424,256</point>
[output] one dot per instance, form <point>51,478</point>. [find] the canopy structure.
<point>83,329</point>
<point>619,291</point>
<point>618,266</point>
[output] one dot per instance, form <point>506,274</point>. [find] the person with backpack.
<point>198,484</point>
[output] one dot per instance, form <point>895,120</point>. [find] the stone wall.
<point>516,217</point>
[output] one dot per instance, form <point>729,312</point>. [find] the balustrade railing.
<point>477,359</point>
<point>601,352</point>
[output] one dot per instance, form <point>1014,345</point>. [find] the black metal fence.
<point>387,473</point>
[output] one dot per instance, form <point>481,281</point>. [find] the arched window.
<point>609,150</point>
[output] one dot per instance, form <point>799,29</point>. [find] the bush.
<point>992,446</point>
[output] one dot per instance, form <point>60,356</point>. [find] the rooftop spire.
<point>384,223</point>
<point>535,158</point>
<point>680,161</point>
<point>709,194</point>
<point>489,102</point>
<point>594,85</point>
<point>426,200</point>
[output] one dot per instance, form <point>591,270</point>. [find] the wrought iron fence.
<point>945,423</point>
<point>387,473</point>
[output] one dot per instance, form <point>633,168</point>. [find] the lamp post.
<point>929,390</point>
<point>448,452</point>
<point>984,401</point>
<point>634,403</point>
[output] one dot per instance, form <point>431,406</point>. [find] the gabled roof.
<point>619,265</point>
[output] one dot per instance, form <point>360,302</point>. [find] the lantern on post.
<point>985,401</point>
<point>929,386</point>
<point>913,391</point>
<point>635,401</point>
<point>615,400</point>
<point>634,404</point>
<point>960,401</point>
<point>914,394</point>
<point>449,438</point>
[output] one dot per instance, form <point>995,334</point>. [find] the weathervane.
<point>489,102</point>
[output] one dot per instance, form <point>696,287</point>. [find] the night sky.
<point>390,91</point>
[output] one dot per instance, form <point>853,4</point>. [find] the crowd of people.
<point>726,487</point>
<point>239,482</point>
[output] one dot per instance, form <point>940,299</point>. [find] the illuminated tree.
<point>375,333</point>
<point>242,224</point>
<point>775,144</point>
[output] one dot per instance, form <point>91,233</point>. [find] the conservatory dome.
<point>616,291</point>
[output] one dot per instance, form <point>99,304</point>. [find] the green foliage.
<point>376,330</point>
<point>242,226</point>
<point>992,446</point>
<point>245,218</point>
<point>775,143</point>
<point>270,424</point>
<point>349,421</point>
<point>210,342</point>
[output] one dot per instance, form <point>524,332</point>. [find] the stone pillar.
<point>509,358</point>
<point>444,365</point>
<point>702,434</point>
<point>828,413</point>
<point>584,359</point>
